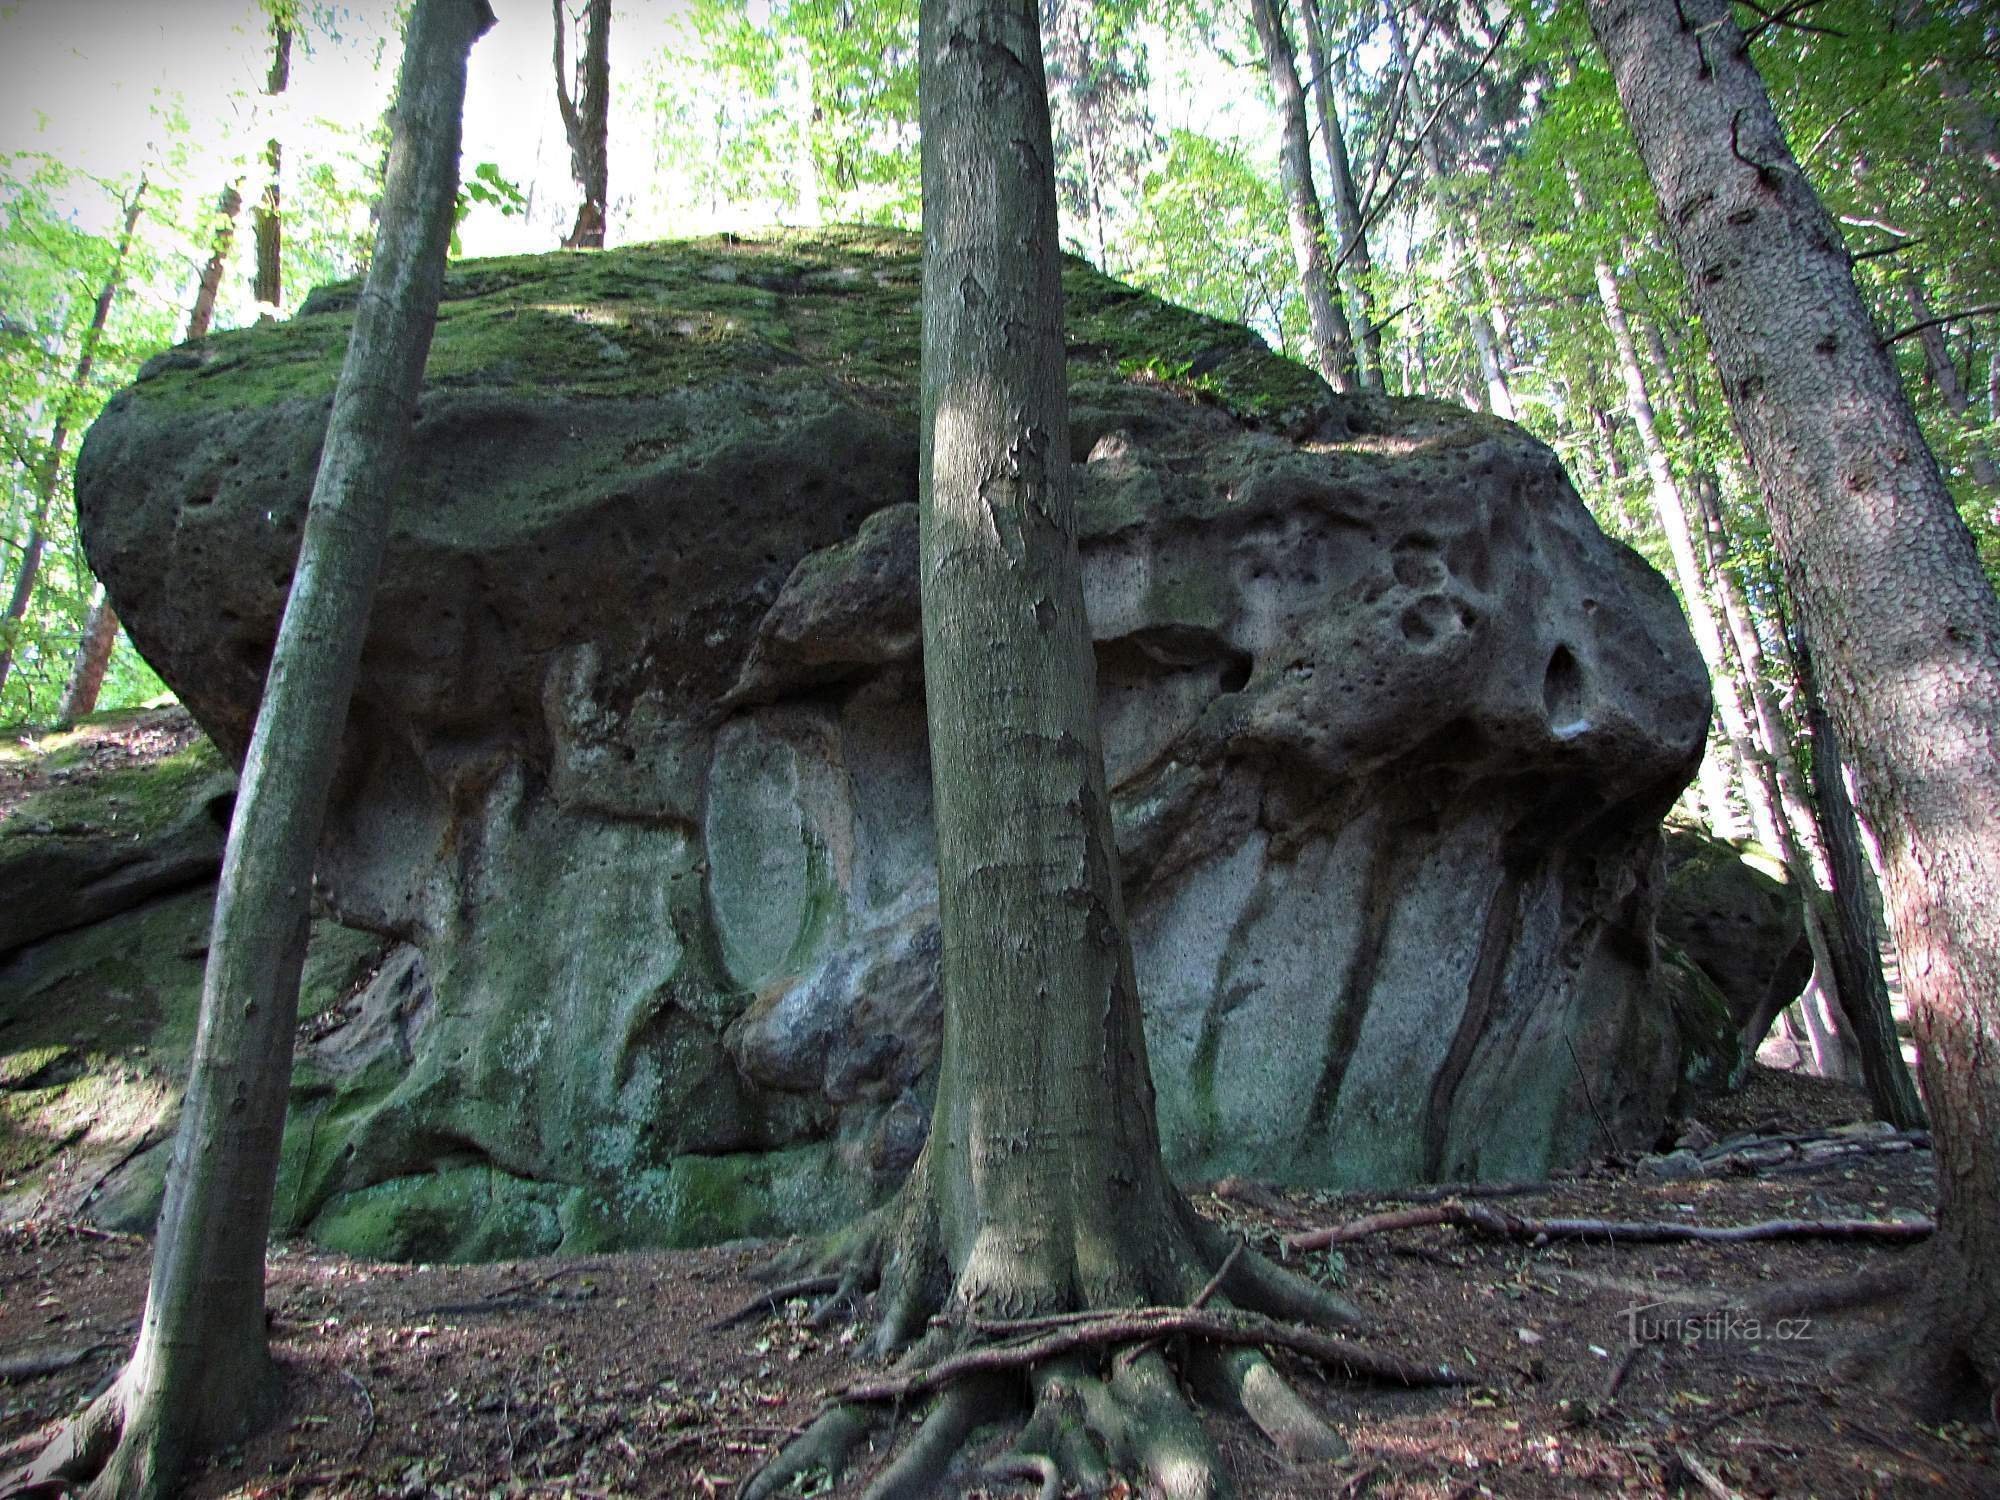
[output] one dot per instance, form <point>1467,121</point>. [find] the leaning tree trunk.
<point>268,221</point>
<point>100,630</point>
<point>1853,945</point>
<point>1332,338</point>
<point>1351,252</point>
<point>48,478</point>
<point>201,1371</point>
<point>1868,1012</point>
<point>585,103</point>
<point>1889,590</point>
<point>1944,375</point>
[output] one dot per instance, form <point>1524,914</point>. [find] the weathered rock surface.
<point>636,778</point>
<point>1730,909</point>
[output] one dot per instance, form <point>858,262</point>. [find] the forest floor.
<point>603,1377</point>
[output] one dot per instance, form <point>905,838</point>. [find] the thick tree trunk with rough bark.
<point>1889,588</point>
<point>48,478</point>
<point>1333,339</point>
<point>201,1372</point>
<point>268,220</point>
<point>585,102</point>
<point>1351,259</point>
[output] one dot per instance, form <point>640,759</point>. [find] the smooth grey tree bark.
<point>1332,337</point>
<point>48,475</point>
<point>1041,1189</point>
<point>201,1372</point>
<point>1905,627</point>
<point>585,103</point>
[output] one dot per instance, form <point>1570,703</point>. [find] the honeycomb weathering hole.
<point>1562,693</point>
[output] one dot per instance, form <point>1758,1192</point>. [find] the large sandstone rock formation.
<point>636,777</point>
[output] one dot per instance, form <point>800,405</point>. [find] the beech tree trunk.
<point>268,221</point>
<point>585,103</point>
<point>48,477</point>
<point>1333,339</point>
<point>201,1373</point>
<point>1905,627</point>
<point>1351,260</point>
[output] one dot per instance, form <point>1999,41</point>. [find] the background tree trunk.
<point>268,221</point>
<point>201,1371</point>
<point>48,477</point>
<point>93,659</point>
<point>1332,338</point>
<point>202,314</point>
<point>1351,259</point>
<point>585,103</point>
<point>1889,590</point>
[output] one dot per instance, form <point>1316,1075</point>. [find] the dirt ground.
<point>602,1377</point>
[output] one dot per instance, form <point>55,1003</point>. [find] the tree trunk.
<point>1944,375</point>
<point>268,221</point>
<point>1350,257</point>
<point>93,658</point>
<point>1889,590</point>
<point>201,1370</point>
<point>1853,948</point>
<point>1333,340</point>
<point>202,314</point>
<point>1041,1188</point>
<point>49,476</point>
<point>1870,1019</point>
<point>585,103</point>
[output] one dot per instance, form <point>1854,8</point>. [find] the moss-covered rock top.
<point>645,319</point>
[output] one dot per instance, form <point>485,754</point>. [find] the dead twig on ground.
<point>1484,1220</point>
<point>367,1417</point>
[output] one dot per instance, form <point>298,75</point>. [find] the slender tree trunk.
<point>268,221</point>
<point>585,103</point>
<point>1853,946</point>
<point>201,1371</point>
<point>227,207</point>
<point>48,479</point>
<point>1350,256</point>
<point>1944,375</point>
<point>1904,624</point>
<point>100,630</point>
<point>1333,340</point>
<point>1869,1015</point>
<point>93,659</point>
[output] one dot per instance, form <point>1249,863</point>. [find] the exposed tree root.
<point>1093,1391</point>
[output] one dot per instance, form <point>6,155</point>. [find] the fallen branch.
<point>1486,1220</point>
<point>368,1417</point>
<point>1135,1325</point>
<point>770,1301</point>
<point>48,1361</point>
